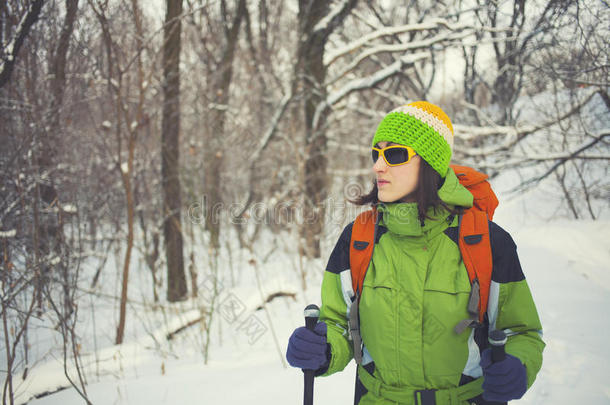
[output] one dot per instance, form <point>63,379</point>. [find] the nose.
<point>380,166</point>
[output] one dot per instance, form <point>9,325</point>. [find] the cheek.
<point>409,184</point>
<point>408,176</point>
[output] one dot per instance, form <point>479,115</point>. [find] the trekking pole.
<point>497,340</point>
<point>312,313</point>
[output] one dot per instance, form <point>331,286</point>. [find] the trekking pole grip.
<point>497,340</point>
<point>312,313</point>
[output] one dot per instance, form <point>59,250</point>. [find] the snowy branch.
<point>334,18</point>
<point>512,135</point>
<point>8,234</point>
<point>351,147</point>
<point>352,173</point>
<point>366,82</point>
<point>264,142</point>
<point>435,23</point>
<point>560,161</point>
<point>10,51</point>
<point>561,158</point>
<point>403,47</point>
<point>12,204</point>
<point>272,128</point>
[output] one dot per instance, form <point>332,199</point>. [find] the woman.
<point>417,288</point>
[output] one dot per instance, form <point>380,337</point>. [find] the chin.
<point>384,198</point>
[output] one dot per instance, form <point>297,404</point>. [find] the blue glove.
<point>505,380</point>
<point>308,349</point>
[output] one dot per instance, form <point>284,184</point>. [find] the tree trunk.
<point>217,117</point>
<point>172,228</point>
<point>58,85</point>
<point>130,219</point>
<point>507,84</point>
<point>316,23</point>
<point>315,176</point>
<point>311,74</point>
<point>126,176</point>
<point>51,232</point>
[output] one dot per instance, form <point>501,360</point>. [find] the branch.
<point>436,23</point>
<point>512,134</point>
<point>9,53</point>
<point>403,47</point>
<point>264,142</point>
<point>564,159</point>
<point>272,128</point>
<point>58,68</point>
<point>333,19</point>
<point>366,82</point>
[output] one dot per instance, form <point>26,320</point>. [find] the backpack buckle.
<point>467,323</point>
<point>425,397</point>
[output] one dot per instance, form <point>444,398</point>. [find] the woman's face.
<point>396,182</point>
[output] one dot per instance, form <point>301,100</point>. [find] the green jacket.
<point>416,291</point>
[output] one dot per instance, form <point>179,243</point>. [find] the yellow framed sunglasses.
<point>394,155</point>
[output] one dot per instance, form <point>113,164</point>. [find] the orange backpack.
<point>473,242</point>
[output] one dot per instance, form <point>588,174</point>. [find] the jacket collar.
<point>402,218</point>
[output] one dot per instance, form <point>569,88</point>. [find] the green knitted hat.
<point>424,127</point>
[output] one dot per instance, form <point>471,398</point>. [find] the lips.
<point>381,182</point>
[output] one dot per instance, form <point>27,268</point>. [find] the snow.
<point>324,22</point>
<point>54,260</point>
<point>69,208</point>
<point>569,277</point>
<point>8,234</point>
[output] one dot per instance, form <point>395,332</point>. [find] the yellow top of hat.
<point>434,110</point>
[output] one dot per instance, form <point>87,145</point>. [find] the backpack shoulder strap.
<point>360,253</point>
<point>475,247</point>
<point>361,247</point>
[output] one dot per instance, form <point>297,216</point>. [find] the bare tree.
<point>548,91</point>
<point>515,38</point>
<point>49,144</point>
<point>170,151</point>
<point>220,65</point>
<point>316,23</point>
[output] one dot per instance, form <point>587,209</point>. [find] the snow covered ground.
<point>566,262</point>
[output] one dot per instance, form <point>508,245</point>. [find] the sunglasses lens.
<point>396,155</point>
<point>374,155</point>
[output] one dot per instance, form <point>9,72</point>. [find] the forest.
<point>156,156</point>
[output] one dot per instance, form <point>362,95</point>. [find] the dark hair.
<point>425,195</point>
